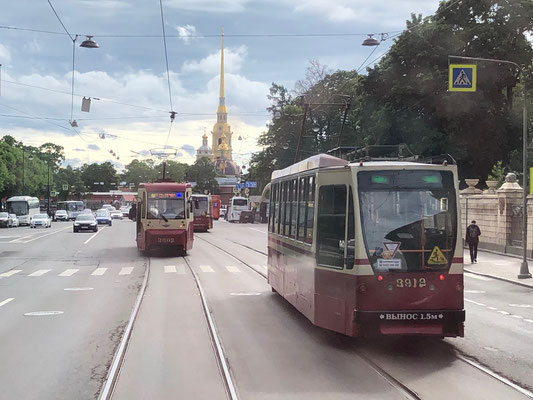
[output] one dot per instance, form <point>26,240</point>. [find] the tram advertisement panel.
<point>409,219</point>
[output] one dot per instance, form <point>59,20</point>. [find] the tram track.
<point>404,389</point>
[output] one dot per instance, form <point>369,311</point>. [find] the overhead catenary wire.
<point>166,53</point>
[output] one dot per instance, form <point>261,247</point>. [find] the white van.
<point>236,206</point>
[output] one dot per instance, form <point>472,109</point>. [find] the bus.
<point>164,216</point>
<point>72,207</point>
<point>24,207</point>
<point>215,201</point>
<point>235,207</point>
<point>202,210</point>
<point>369,248</point>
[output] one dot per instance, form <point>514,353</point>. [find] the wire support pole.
<point>524,268</point>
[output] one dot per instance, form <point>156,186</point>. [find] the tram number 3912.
<point>410,282</point>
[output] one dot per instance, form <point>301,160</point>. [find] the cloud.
<point>190,150</point>
<point>94,147</point>
<point>185,32</point>
<point>212,6</point>
<point>5,54</point>
<point>233,61</point>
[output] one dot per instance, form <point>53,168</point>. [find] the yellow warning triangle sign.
<point>437,257</point>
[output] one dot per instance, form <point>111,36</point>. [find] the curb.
<point>500,278</point>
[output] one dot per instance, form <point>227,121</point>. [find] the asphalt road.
<point>272,351</point>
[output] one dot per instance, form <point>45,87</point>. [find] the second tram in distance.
<point>164,216</point>
<point>202,209</point>
<point>368,248</point>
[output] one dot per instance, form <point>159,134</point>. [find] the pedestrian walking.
<point>472,238</point>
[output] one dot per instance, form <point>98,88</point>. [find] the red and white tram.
<point>203,212</point>
<point>368,248</point>
<point>164,216</point>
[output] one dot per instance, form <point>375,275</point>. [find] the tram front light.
<point>441,277</point>
<point>380,278</point>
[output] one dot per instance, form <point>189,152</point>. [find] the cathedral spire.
<point>222,99</point>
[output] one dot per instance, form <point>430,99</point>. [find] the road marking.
<point>3,303</point>
<point>206,268</point>
<point>99,271</point>
<point>492,308</point>
<point>68,272</point>
<point>170,268</point>
<point>245,294</point>
<point>481,278</point>
<point>93,235</point>
<point>48,234</point>
<point>40,272</point>
<point>125,271</point>
<point>9,237</point>
<point>42,313</point>
<point>78,289</point>
<point>517,316</point>
<point>475,302</point>
<point>258,230</point>
<point>490,348</point>
<point>528,320</point>
<point>232,268</point>
<point>10,273</point>
<point>504,312</point>
<point>520,305</point>
<point>474,291</point>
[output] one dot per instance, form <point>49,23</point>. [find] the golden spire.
<point>222,99</point>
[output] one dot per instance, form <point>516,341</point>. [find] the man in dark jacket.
<point>472,238</point>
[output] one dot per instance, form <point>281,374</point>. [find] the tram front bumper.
<point>166,237</point>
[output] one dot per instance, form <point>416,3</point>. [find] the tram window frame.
<point>302,204</point>
<point>273,206</point>
<point>143,205</point>
<point>349,253</point>
<point>283,208</point>
<point>294,209</point>
<point>310,206</point>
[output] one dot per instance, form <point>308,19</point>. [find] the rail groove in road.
<point>111,380</point>
<point>393,381</point>
<point>221,357</point>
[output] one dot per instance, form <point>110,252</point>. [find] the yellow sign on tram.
<point>437,257</point>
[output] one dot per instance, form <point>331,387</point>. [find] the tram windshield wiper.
<point>159,213</point>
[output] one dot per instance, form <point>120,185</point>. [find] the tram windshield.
<point>200,206</point>
<point>166,205</point>
<point>408,218</point>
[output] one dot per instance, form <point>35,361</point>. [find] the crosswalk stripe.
<point>68,272</point>
<point>3,303</point>
<point>40,272</point>
<point>99,271</point>
<point>170,268</point>
<point>10,273</point>
<point>232,268</point>
<point>125,271</point>
<point>206,268</point>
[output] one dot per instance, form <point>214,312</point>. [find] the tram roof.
<point>164,186</point>
<point>318,161</point>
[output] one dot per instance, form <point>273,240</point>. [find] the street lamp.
<point>524,269</point>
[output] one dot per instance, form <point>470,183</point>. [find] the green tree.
<point>174,170</point>
<point>94,174</point>
<point>203,173</point>
<point>140,171</point>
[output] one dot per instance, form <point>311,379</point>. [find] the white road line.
<point>170,269</point>
<point>492,308</point>
<point>3,303</point>
<point>94,234</point>
<point>206,268</point>
<point>481,278</point>
<point>10,273</point>
<point>9,237</point>
<point>517,316</point>
<point>528,320</point>
<point>504,312</point>
<point>474,302</point>
<point>48,234</point>
<point>40,272</point>
<point>99,271</point>
<point>68,272</point>
<point>474,291</point>
<point>520,305</point>
<point>258,230</point>
<point>232,268</point>
<point>125,271</point>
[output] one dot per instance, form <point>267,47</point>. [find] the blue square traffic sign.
<point>462,78</point>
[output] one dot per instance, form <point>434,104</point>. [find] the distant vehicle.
<point>88,211</point>
<point>5,220</point>
<point>125,210</point>
<point>103,217</point>
<point>24,207</point>
<point>14,220</point>
<point>72,207</point>
<point>85,222</point>
<point>41,220</point>
<point>61,215</point>
<point>223,213</point>
<point>236,206</point>
<point>116,214</point>
<point>203,219</point>
<point>215,201</point>
<point>164,216</point>
<point>109,207</point>
<point>246,217</point>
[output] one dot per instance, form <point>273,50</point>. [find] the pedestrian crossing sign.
<point>462,78</point>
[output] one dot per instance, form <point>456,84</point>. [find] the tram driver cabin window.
<point>331,225</point>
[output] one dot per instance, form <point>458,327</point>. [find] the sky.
<point>126,78</point>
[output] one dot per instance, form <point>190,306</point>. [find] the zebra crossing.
<point>178,269</point>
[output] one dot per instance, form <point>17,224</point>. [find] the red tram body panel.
<point>202,209</point>
<point>368,249</point>
<point>215,200</point>
<point>164,216</point>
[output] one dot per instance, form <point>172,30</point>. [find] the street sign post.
<point>250,184</point>
<point>462,78</point>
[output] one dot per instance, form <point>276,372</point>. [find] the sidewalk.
<point>498,266</point>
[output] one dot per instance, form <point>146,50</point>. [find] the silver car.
<point>5,220</point>
<point>41,220</point>
<point>14,220</point>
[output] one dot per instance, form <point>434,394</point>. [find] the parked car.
<point>14,220</point>
<point>103,216</point>
<point>5,220</point>
<point>61,215</point>
<point>85,221</point>
<point>125,210</point>
<point>41,220</point>
<point>116,214</point>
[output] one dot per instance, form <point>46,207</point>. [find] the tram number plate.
<point>165,240</point>
<point>411,316</point>
<point>411,282</point>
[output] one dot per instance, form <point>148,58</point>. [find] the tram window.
<point>283,206</point>
<point>294,208</point>
<point>302,193</point>
<point>274,209</point>
<point>143,206</point>
<point>310,210</point>
<point>350,237</point>
<point>331,225</point>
